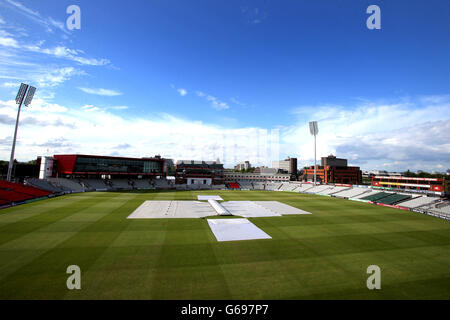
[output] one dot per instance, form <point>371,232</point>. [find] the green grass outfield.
<point>320,256</point>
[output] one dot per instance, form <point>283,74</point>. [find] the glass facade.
<point>111,165</point>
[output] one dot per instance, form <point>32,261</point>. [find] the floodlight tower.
<point>29,90</point>
<point>314,129</point>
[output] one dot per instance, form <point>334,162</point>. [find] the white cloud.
<point>57,76</point>
<point>118,107</point>
<point>47,23</point>
<point>101,91</point>
<point>64,52</point>
<point>90,108</point>
<point>8,42</point>
<point>99,131</point>
<point>11,84</point>
<point>215,102</point>
<point>398,136</point>
<point>410,134</point>
<point>182,92</point>
<point>239,103</point>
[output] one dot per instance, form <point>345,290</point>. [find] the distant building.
<point>93,166</point>
<point>288,165</point>
<point>199,172</point>
<point>332,161</point>
<point>266,170</point>
<point>169,166</point>
<point>243,166</point>
<point>256,177</point>
<point>437,186</point>
<point>333,170</point>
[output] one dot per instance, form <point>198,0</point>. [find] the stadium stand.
<point>333,190</point>
<point>95,184</point>
<point>16,192</point>
<point>418,202</point>
<point>246,185</point>
<point>218,187</point>
<point>141,183</point>
<point>376,197</point>
<point>259,186</point>
<point>286,186</point>
<point>123,184</point>
<point>319,188</point>
<point>67,184</point>
<point>394,198</point>
<point>353,192</point>
<point>180,187</point>
<point>43,185</point>
<point>304,187</point>
<point>442,209</point>
<point>197,186</point>
<point>371,192</point>
<point>164,184</point>
<point>20,188</point>
<point>233,185</point>
<point>13,196</point>
<point>273,186</point>
<point>4,203</point>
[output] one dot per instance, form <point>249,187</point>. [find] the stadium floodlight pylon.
<point>19,100</point>
<point>314,129</point>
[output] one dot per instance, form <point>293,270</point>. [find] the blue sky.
<point>238,80</point>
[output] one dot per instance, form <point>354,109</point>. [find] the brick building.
<point>333,170</point>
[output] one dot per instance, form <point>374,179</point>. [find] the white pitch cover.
<point>280,208</point>
<point>205,197</point>
<point>219,208</point>
<point>236,229</point>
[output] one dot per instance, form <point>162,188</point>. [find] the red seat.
<point>15,192</point>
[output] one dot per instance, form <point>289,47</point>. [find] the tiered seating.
<point>162,184</point>
<point>96,184</point>
<point>217,187</point>
<point>121,184</point>
<point>246,185</point>
<point>273,186</point>
<point>441,208</point>
<point>43,185</point>
<point>333,190</point>
<point>304,187</point>
<point>17,192</point>
<point>180,186</point>
<point>394,198</point>
<point>350,193</point>
<point>233,185</point>
<point>141,184</point>
<point>286,186</point>
<point>259,185</point>
<point>4,202</point>
<point>365,194</point>
<point>376,197</point>
<point>319,188</point>
<point>67,184</point>
<point>14,196</point>
<point>193,187</point>
<point>20,188</point>
<point>418,202</point>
